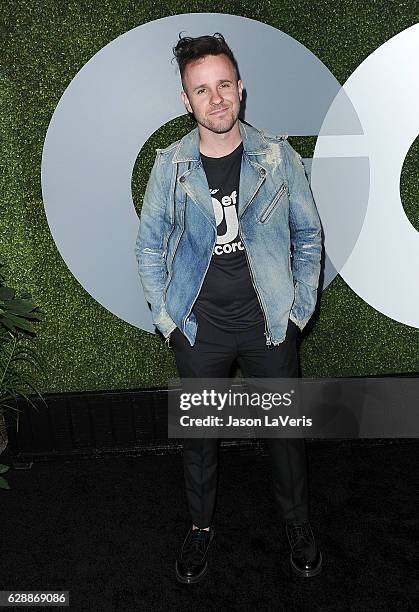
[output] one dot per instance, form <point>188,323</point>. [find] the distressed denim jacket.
<point>278,226</point>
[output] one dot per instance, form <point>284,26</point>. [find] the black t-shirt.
<point>227,297</point>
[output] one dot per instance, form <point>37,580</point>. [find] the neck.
<point>219,145</point>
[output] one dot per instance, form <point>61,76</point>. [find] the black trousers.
<point>212,356</point>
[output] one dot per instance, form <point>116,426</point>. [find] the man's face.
<point>212,92</point>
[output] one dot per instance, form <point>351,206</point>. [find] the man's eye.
<point>200,91</point>
<point>225,84</point>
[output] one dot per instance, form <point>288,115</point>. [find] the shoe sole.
<point>189,580</point>
<point>307,573</point>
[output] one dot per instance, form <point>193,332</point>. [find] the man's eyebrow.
<point>218,83</point>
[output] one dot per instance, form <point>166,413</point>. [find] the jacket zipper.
<point>267,332</point>
<point>267,213</point>
<point>172,221</point>
<point>258,186</point>
<point>167,242</point>
<point>169,278</point>
<point>170,272</point>
<point>202,282</point>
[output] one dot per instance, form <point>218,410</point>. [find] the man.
<point>229,251</point>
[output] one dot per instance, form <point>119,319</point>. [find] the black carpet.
<point>108,530</point>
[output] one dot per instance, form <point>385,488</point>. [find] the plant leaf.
<point>19,322</point>
<point>4,321</point>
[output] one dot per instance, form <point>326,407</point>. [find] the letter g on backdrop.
<point>129,89</point>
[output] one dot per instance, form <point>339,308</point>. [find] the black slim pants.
<point>212,356</point>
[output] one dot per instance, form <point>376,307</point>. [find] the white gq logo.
<point>365,128</point>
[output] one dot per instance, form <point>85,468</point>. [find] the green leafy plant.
<point>15,381</point>
<point>18,314</point>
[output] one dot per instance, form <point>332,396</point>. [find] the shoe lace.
<point>196,545</point>
<point>299,535</point>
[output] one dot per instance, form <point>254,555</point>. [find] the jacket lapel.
<point>252,176</point>
<point>194,183</point>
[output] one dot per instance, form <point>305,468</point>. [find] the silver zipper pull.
<point>167,342</point>
<point>268,339</point>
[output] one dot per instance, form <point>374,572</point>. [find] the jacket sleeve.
<point>306,239</point>
<point>149,248</point>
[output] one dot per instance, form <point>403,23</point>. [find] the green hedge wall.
<point>43,46</point>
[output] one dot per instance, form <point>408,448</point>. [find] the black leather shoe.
<point>306,559</point>
<point>192,565</point>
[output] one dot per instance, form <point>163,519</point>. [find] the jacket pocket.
<point>271,206</point>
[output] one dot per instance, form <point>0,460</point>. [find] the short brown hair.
<point>189,49</point>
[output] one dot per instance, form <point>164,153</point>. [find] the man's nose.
<point>215,98</point>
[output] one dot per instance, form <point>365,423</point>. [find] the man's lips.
<point>220,110</point>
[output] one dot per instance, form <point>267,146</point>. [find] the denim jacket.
<point>279,229</point>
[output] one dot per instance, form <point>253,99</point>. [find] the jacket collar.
<point>254,143</point>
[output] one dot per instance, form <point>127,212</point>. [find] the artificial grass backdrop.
<point>43,46</point>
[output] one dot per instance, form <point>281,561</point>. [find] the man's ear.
<point>240,88</point>
<point>185,100</point>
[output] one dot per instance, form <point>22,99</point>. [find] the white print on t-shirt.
<point>226,209</point>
